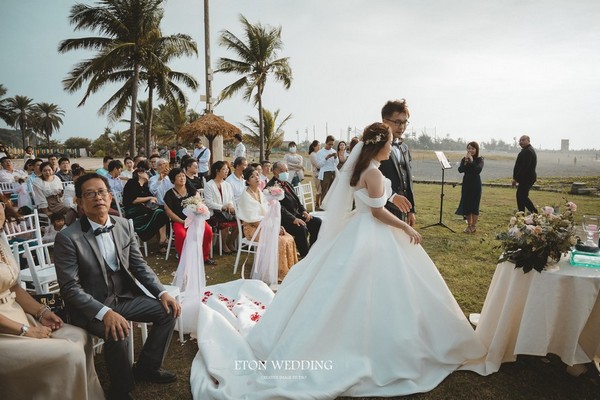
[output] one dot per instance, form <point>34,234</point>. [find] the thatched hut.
<point>212,127</point>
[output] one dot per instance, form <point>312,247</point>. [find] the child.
<point>57,224</point>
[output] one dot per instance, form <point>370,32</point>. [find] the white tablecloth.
<point>539,313</point>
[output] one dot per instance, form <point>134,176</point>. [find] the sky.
<point>470,69</point>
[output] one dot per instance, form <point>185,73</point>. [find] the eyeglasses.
<point>91,195</point>
<point>398,122</point>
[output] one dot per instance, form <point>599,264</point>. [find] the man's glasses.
<point>92,195</point>
<point>398,122</point>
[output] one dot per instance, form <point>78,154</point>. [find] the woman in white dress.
<point>48,194</point>
<point>365,313</point>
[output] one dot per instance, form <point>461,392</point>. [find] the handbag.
<point>55,303</point>
<point>224,215</point>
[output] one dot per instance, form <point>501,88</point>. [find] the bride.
<point>365,313</point>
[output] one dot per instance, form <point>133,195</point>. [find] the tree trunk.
<point>210,138</point>
<point>261,133</point>
<point>134,90</point>
<point>148,127</point>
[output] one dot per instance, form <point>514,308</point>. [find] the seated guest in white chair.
<point>252,209</point>
<point>99,267</point>
<point>42,357</point>
<point>218,196</point>
<point>236,179</point>
<point>294,217</point>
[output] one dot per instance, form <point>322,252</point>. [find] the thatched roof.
<point>208,125</point>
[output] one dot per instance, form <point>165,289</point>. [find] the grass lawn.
<point>467,263</point>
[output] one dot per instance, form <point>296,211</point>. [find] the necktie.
<point>103,229</point>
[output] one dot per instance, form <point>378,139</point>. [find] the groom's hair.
<point>393,106</point>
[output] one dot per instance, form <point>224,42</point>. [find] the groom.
<point>397,168</point>
<point>99,265</point>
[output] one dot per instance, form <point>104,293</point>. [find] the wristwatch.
<point>24,329</point>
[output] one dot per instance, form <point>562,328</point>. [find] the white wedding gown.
<point>366,314</point>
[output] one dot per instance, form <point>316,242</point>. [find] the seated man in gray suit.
<point>97,263</point>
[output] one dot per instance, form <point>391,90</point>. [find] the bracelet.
<point>41,312</point>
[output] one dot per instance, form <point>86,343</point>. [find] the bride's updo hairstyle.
<point>375,136</point>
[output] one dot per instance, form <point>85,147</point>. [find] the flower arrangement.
<point>532,240</point>
<point>194,205</point>
<point>275,192</point>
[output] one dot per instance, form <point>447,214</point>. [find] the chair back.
<point>119,200</point>
<point>7,187</point>
<point>305,193</point>
<point>28,230</point>
<point>67,183</point>
<point>243,244</point>
<point>41,271</point>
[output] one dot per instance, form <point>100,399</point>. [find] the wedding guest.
<point>142,207</point>
<point>353,142</point>
<point>53,160</point>
<point>261,182</point>
<point>42,357</point>
<point>236,179</point>
<point>240,149</point>
<point>218,196</point>
<point>137,159</point>
<point>28,154</point>
<point>104,170</point>
<point>294,217</point>
<point>252,209</point>
<point>180,153</point>
<point>69,191</point>
<point>471,165</point>
<point>295,165</point>
<point>174,198</point>
<point>313,150</point>
<point>202,156</point>
<point>57,224</point>
<point>99,268</point>
<point>397,168</point>
<point>190,169</point>
<point>115,167</point>
<point>8,173</point>
<point>524,175</point>
<point>154,159</point>
<point>327,159</point>
<point>342,154</point>
<point>48,193</point>
<point>64,170</point>
<point>160,183</point>
<point>127,171</point>
<point>266,171</point>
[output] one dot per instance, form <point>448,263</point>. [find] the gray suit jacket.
<point>81,272</point>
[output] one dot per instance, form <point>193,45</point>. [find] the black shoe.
<point>210,261</point>
<point>154,376</point>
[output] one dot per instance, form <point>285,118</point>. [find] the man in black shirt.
<point>524,175</point>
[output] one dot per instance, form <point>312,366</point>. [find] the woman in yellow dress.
<point>252,208</point>
<point>42,357</point>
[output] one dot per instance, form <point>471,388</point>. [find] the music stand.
<point>445,165</point>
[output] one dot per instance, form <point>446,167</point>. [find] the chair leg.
<point>237,259</point>
<point>146,249</point>
<point>130,340</point>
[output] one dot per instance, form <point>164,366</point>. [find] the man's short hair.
<point>185,164</point>
<point>263,162</point>
<point>114,164</point>
<point>277,165</point>
<point>393,106</point>
<point>4,159</point>
<point>106,158</point>
<point>63,159</point>
<point>329,138</point>
<point>86,177</point>
<point>197,140</point>
<point>238,137</point>
<point>238,161</point>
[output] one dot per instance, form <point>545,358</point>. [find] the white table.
<point>539,313</point>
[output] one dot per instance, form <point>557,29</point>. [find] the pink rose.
<point>548,210</point>
<point>572,206</point>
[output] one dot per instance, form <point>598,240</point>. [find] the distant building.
<point>564,145</point>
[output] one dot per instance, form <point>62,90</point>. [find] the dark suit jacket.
<point>291,206</point>
<point>524,171</point>
<point>391,170</point>
<point>81,272</point>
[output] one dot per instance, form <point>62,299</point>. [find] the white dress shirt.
<point>109,253</point>
<point>326,165</point>
<point>238,185</point>
<point>240,151</point>
<point>159,187</point>
<point>203,159</point>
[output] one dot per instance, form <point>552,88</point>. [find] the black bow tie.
<point>397,144</point>
<point>103,229</point>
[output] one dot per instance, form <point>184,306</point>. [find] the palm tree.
<point>159,76</point>
<point>141,121</point>
<point>48,119</point>
<point>257,61</point>
<point>21,108</point>
<point>273,132</point>
<point>6,114</point>
<point>125,26</point>
<point>171,117</point>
